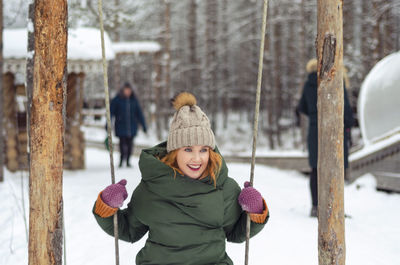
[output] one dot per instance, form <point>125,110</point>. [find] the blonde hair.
<point>346,77</point>
<point>312,65</point>
<point>212,169</point>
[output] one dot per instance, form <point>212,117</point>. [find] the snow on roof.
<point>83,44</point>
<point>15,43</point>
<point>136,47</point>
<point>379,99</point>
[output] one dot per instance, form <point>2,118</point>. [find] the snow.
<point>136,47</point>
<point>15,43</point>
<point>379,98</point>
<point>83,44</point>
<point>373,147</point>
<point>290,237</point>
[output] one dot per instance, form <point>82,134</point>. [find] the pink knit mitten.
<point>250,199</point>
<point>115,194</point>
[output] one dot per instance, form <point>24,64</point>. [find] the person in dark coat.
<point>308,106</point>
<point>127,113</point>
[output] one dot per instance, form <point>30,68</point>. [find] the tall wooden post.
<point>47,132</point>
<point>331,236</point>
<point>1,96</point>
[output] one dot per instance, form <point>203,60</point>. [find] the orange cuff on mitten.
<point>259,218</point>
<point>102,209</point>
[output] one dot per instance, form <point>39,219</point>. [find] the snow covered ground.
<point>290,237</point>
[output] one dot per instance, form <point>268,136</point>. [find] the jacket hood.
<point>159,177</point>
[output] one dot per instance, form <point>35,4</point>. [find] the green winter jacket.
<point>187,220</point>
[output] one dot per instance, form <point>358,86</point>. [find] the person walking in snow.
<point>127,113</point>
<point>308,106</point>
<point>185,201</point>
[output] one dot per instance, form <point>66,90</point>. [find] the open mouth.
<point>194,167</point>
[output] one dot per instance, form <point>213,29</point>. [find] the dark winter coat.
<point>188,220</point>
<point>308,106</point>
<point>128,114</point>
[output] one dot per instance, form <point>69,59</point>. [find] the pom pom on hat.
<point>184,99</point>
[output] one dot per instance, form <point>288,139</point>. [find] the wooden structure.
<point>84,57</point>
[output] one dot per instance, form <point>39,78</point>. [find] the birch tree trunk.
<point>1,96</point>
<point>331,236</point>
<point>47,132</point>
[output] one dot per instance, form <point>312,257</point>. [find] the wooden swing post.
<point>47,132</point>
<point>331,236</point>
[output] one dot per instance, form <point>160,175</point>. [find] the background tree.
<point>1,95</point>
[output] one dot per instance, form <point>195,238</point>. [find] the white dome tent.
<point>378,104</point>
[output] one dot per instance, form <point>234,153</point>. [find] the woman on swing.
<point>186,201</point>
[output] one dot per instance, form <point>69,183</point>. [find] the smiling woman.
<point>185,200</point>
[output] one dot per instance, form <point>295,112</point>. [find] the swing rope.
<point>108,116</point>
<point>256,115</point>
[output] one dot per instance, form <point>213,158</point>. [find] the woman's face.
<point>193,160</point>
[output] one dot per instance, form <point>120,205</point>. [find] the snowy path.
<point>290,237</point>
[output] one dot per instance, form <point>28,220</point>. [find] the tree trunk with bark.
<point>167,61</point>
<point>1,96</point>
<point>277,94</point>
<point>194,75</point>
<point>268,77</point>
<point>331,236</point>
<point>225,62</point>
<point>29,71</point>
<point>367,45</point>
<point>157,90</point>
<point>47,132</point>
<point>211,66</point>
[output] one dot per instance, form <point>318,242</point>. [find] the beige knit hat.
<point>190,125</point>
